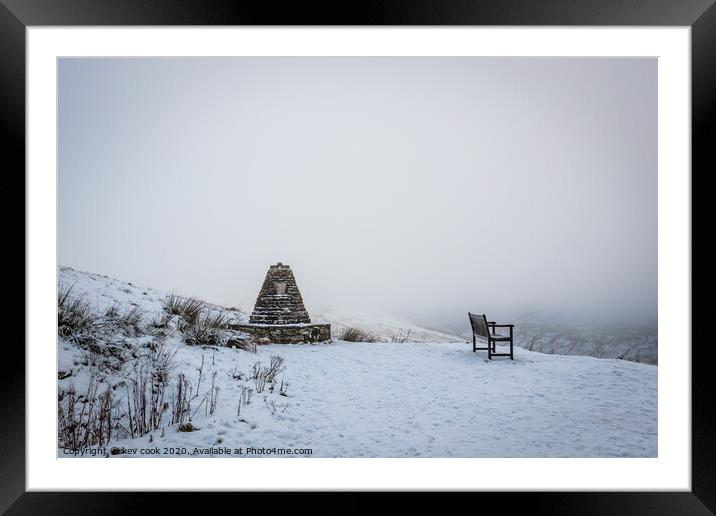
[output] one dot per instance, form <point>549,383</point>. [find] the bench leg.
<point>511,344</point>
<point>489,349</point>
<point>473,344</point>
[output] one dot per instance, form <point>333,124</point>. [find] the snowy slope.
<point>630,340</point>
<point>381,399</point>
<point>389,329</point>
<point>103,292</point>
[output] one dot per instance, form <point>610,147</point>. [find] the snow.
<point>102,292</point>
<point>631,339</point>
<point>384,399</point>
<point>384,328</point>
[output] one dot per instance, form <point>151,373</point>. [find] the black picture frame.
<point>16,15</point>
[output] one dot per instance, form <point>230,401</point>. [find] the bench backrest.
<point>479,325</point>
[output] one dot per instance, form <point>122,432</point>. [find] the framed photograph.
<point>420,248</point>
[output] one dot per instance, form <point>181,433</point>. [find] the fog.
<point>421,188</point>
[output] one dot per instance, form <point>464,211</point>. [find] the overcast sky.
<point>416,187</point>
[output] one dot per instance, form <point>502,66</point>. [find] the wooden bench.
<point>485,330</point>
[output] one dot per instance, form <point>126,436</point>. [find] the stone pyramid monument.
<point>279,300</point>
<point>279,316</point>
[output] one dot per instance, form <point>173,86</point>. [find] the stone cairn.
<point>279,300</point>
<point>279,315</point>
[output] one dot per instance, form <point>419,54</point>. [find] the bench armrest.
<point>503,325</point>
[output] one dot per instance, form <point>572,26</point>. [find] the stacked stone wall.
<point>279,314</point>
<point>279,301</point>
<point>287,334</point>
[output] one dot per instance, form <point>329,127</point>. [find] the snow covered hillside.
<point>629,340</point>
<point>137,378</point>
<point>389,329</point>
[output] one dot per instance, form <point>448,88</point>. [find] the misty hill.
<point>629,339</point>
<point>389,329</point>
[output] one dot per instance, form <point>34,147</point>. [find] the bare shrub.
<point>401,337</point>
<point>145,400</point>
<point>102,354</point>
<point>260,380</point>
<point>213,397</point>
<point>90,358</point>
<point>235,374</point>
<point>162,358</point>
<point>112,312</point>
<point>216,320</point>
<point>202,402</point>
<point>275,368</point>
<point>75,319</point>
<point>84,420</point>
<point>353,334</point>
<point>200,370</point>
<point>246,393</point>
<point>272,406</point>
<point>160,323</point>
<point>244,400</point>
<point>146,388</point>
<point>207,329</point>
<point>132,318</point>
<point>255,370</point>
<point>263,375</point>
<point>181,400</point>
<point>187,308</point>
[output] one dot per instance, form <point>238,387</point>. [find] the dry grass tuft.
<point>353,334</point>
